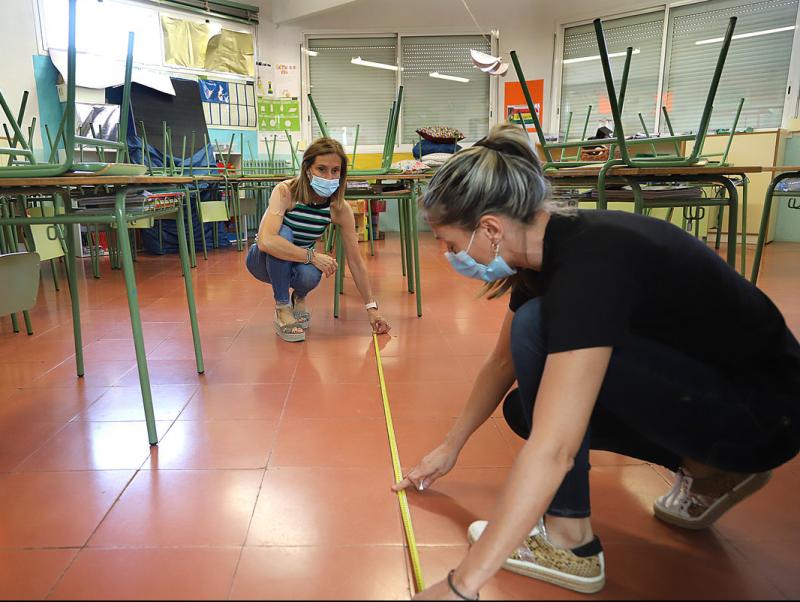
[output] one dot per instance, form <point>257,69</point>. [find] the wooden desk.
<point>120,216</point>
<point>595,176</point>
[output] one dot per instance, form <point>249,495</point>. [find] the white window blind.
<point>582,82</point>
<point>349,95</point>
<point>757,67</point>
<point>430,101</point>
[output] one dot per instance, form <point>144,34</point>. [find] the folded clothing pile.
<point>788,185</point>
<point>410,166</point>
<point>437,145</point>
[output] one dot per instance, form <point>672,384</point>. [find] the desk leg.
<point>402,227</point>
<point>762,229</point>
<point>415,238</point>
<point>337,282</point>
<point>187,195</point>
<point>370,231</point>
<point>744,225</point>
<point>409,232</point>
<point>133,307</point>
<point>187,281</point>
<point>237,214</point>
<point>72,279</point>
<point>733,218</point>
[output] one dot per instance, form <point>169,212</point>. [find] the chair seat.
<point>20,274</point>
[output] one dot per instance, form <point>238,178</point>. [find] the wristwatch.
<point>310,255</point>
<point>371,305</point>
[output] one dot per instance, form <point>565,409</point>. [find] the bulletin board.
<point>515,106</point>
<point>229,104</point>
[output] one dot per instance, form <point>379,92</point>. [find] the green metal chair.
<point>622,144</point>
<point>30,167</point>
<point>388,141</point>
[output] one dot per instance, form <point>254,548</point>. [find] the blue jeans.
<point>660,405</point>
<point>282,274</point>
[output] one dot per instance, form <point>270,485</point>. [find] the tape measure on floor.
<point>405,513</point>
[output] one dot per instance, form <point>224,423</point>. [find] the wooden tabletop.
<point>593,171</point>
<point>350,178</point>
<point>91,180</point>
<point>781,168</point>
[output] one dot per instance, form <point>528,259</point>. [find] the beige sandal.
<point>285,331</point>
<point>302,318</point>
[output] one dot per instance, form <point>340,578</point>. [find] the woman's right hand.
<point>325,264</point>
<point>433,466</point>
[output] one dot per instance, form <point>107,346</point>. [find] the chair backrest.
<point>616,102</point>
<point>45,238</point>
<point>388,140</point>
<point>20,274</point>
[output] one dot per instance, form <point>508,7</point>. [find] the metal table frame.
<point>121,217</point>
<point>781,173</point>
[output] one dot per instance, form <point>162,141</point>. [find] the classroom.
<point>432,299</point>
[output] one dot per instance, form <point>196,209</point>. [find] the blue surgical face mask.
<point>323,187</point>
<point>464,264</point>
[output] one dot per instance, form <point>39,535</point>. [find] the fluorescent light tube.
<point>583,59</point>
<point>452,78</point>
<point>746,35</point>
<point>359,61</point>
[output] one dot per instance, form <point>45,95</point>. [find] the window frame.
<point>791,107</point>
<point>400,146</point>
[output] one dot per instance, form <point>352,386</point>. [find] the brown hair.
<point>300,186</point>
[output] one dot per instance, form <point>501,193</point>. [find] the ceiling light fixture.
<point>359,61</point>
<point>452,78</point>
<point>753,34</point>
<point>583,59</point>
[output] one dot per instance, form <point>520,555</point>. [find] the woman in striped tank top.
<point>283,255</point>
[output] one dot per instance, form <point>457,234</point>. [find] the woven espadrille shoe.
<point>580,569</point>
<point>696,503</point>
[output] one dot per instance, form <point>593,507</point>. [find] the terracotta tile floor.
<point>273,472</point>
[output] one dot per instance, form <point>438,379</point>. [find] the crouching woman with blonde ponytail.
<point>602,337</point>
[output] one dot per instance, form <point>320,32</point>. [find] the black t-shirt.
<point>609,275</point>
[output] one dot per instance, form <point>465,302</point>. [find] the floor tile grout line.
<point>276,431</point>
<point>16,469</point>
<point>88,539</point>
<point>744,557</point>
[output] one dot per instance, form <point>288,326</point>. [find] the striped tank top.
<point>308,222</point>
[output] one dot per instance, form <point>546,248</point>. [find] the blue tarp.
<point>208,191</point>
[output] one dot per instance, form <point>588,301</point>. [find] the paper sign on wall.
<point>286,80</point>
<point>278,114</point>
<point>516,108</point>
<point>212,90</point>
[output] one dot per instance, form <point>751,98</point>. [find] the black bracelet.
<point>455,591</point>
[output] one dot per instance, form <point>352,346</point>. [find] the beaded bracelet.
<point>455,591</point>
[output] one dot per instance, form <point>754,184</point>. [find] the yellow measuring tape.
<point>405,513</point>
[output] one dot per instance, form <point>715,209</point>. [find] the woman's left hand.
<point>437,591</point>
<point>379,325</point>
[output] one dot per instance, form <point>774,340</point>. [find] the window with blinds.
<point>349,95</point>
<point>582,82</point>
<point>757,67</point>
<point>430,101</point>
